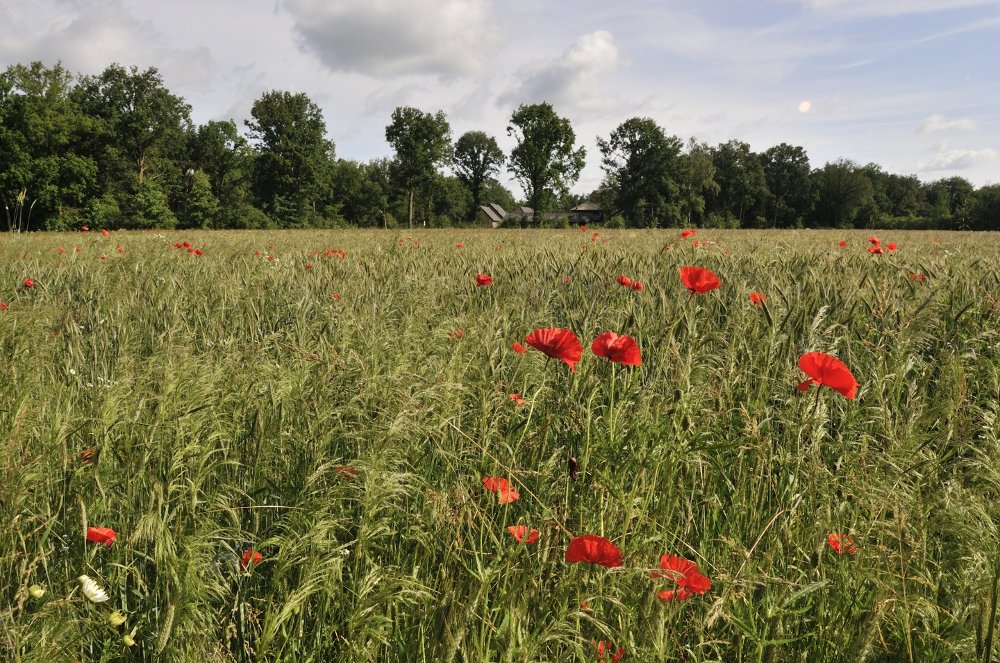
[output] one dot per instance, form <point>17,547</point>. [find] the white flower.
<point>92,590</point>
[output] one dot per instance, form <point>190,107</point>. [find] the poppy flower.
<point>502,488</point>
<point>688,233</point>
<point>557,343</point>
<point>457,334</point>
<point>309,265</point>
<point>841,243</point>
<point>602,646</point>
<point>4,306</point>
<point>876,250</point>
<point>104,535</point>
<point>250,558</point>
<point>685,574</point>
<point>593,238</point>
<point>827,370</point>
<point>618,349</point>
<point>758,299</point>
<point>517,399</point>
<point>637,286</point>
<point>346,471</point>
<point>874,240</point>
<point>460,246</point>
<point>522,534</point>
<point>625,281</point>
<point>891,246</point>
<point>917,277</point>
<point>566,279</point>
<point>842,544</point>
<point>695,243</point>
<point>595,550</point>
<point>29,283</point>
<point>88,456</point>
<point>583,228</point>
<point>483,280</point>
<point>518,348</point>
<point>120,248</point>
<point>699,280</point>
<point>85,228</point>
<point>335,295</point>
<point>104,232</point>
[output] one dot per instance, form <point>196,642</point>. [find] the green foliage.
<point>477,158</point>
<point>842,190</point>
<point>422,142</point>
<point>543,162</point>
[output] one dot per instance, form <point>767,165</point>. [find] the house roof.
<point>499,210</point>
<point>587,206</point>
<point>491,214</point>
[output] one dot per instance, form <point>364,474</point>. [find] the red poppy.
<point>699,280</point>
<point>120,248</point>
<point>593,238</point>
<point>595,550</point>
<point>583,228</point>
<point>841,243</point>
<point>625,281</point>
<point>758,299</point>
<point>618,349</point>
<point>186,245</point>
<point>876,250</point>
<point>457,334</point>
<point>688,233</point>
<point>518,348</point>
<point>827,370</point>
<point>104,232</point>
<point>891,246</point>
<point>566,279</point>
<point>88,455</point>
<point>685,574</point>
<point>29,283</point>
<point>842,544</point>
<point>85,228</point>
<point>178,245</point>
<point>695,243</point>
<point>557,343</point>
<point>522,534</point>
<point>4,306</point>
<point>460,246</point>
<point>517,399</point>
<point>483,279</point>
<point>637,286</point>
<point>617,656</point>
<point>335,295</point>
<point>104,535</point>
<point>875,240</point>
<point>250,558</point>
<point>501,487</point>
<point>346,471</point>
<point>917,277</point>
<point>309,265</point>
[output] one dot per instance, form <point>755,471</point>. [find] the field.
<point>332,401</point>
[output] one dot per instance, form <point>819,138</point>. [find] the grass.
<point>233,403</point>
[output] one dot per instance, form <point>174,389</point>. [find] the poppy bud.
<point>36,591</point>
<point>572,467</point>
<point>116,618</point>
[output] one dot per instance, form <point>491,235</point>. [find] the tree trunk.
<point>411,210</point>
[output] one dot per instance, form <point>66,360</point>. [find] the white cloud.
<point>960,159</point>
<point>869,8</point>
<point>937,123</point>
<point>572,80</point>
<point>395,37</point>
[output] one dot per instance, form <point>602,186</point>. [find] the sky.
<point>908,84</point>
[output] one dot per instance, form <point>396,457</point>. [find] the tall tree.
<point>842,190</point>
<point>423,144</point>
<point>643,168</point>
<point>40,127</point>
<point>786,172</point>
<point>543,162</point>
<point>742,185</point>
<point>698,181</point>
<point>294,157</point>
<point>477,158</point>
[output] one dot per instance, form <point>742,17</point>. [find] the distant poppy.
<point>891,246</point>
<point>841,243</point>
<point>522,534</point>
<point>250,558</point>
<point>827,370</point>
<point>583,228</point>
<point>104,232</point>
<point>4,306</point>
<point>501,486</point>
<point>618,349</point>
<point>874,240</point>
<point>876,250</point>
<point>178,245</point>
<point>29,283</point>
<point>688,233</point>
<point>625,281</point>
<point>518,348</point>
<point>842,544</point>
<point>595,550</point>
<point>309,265</point>
<point>88,455</point>
<point>457,334</point>
<point>186,245</point>
<point>483,280</point>
<point>85,228</point>
<point>198,253</point>
<point>685,574</point>
<point>695,243</point>
<point>699,280</point>
<point>758,299</point>
<point>637,286</point>
<point>617,656</point>
<point>593,238</point>
<point>120,248</point>
<point>460,246</point>
<point>335,295</point>
<point>104,535</point>
<point>557,343</point>
<point>566,279</point>
<point>517,399</point>
<point>917,277</point>
<point>346,471</point>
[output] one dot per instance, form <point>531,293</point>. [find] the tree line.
<point>119,150</point>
